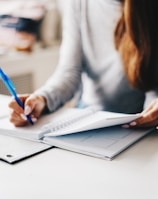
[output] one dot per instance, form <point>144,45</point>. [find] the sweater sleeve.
<point>65,81</point>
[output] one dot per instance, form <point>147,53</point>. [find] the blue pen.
<point>11,88</point>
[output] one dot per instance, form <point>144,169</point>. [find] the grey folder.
<point>104,143</point>
<point>15,149</point>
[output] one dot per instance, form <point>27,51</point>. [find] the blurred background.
<point>30,38</point>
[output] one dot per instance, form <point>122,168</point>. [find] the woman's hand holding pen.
<point>34,106</point>
<point>149,117</point>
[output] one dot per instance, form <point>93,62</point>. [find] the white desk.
<point>59,174</point>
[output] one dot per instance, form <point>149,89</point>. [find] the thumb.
<point>30,104</point>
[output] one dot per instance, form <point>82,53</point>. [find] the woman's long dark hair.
<point>136,39</point>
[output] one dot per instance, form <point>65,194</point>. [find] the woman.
<point>111,44</point>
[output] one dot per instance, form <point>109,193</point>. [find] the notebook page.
<point>31,132</point>
<point>36,131</point>
<point>68,119</point>
<point>4,109</point>
<point>96,120</point>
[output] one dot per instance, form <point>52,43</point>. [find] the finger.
<point>14,105</point>
<point>148,124</point>
<point>148,120</point>
<point>18,123</point>
<point>150,116</point>
<point>148,108</point>
<point>142,124</point>
<point>152,112</point>
<point>153,104</point>
<point>17,116</point>
<point>20,119</point>
<point>35,105</point>
<point>17,120</point>
<point>30,104</point>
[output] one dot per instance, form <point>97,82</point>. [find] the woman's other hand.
<point>149,117</point>
<point>34,106</point>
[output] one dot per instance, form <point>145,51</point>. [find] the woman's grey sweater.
<point>89,62</point>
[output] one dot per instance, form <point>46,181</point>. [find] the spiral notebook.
<point>87,131</point>
<point>66,121</point>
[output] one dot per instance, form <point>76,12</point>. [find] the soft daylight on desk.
<point>78,99</point>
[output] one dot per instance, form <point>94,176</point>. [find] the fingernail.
<point>34,119</point>
<point>23,117</point>
<point>133,124</point>
<point>126,126</point>
<point>27,110</point>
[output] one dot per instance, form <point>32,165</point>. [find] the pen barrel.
<point>29,119</point>
<point>20,103</point>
